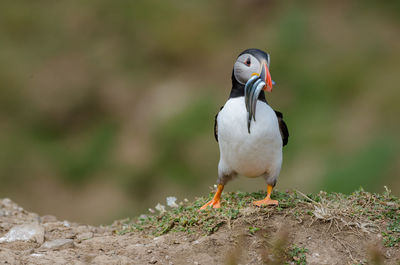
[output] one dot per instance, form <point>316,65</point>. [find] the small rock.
<point>38,255</point>
<point>161,208</point>
<point>69,234</point>
<point>171,202</point>
<point>82,229</point>
<point>6,202</point>
<point>48,219</point>
<point>153,260</point>
<point>159,239</point>
<point>84,236</point>
<point>58,244</point>
<point>101,230</point>
<point>27,251</point>
<point>27,232</point>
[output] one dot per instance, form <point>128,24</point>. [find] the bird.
<point>250,134</point>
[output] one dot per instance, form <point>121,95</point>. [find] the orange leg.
<point>216,201</point>
<point>267,200</point>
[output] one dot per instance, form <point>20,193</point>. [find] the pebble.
<point>171,202</point>
<point>153,260</point>
<point>6,202</point>
<point>161,208</point>
<point>84,236</point>
<point>159,239</point>
<point>38,255</point>
<point>58,244</point>
<point>48,219</point>
<point>26,232</point>
<point>82,229</point>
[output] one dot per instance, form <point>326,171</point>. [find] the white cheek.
<point>240,72</point>
<point>243,72</point>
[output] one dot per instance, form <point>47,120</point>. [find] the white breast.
<point>247,154</point>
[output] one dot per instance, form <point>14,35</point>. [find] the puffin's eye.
<point>248,62</point>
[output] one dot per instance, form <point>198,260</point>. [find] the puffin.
<point>249,132</point>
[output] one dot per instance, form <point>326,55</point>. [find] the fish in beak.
<point>252,90</point>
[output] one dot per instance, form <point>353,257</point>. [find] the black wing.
<point>216,125</point>
<point>283,128</point>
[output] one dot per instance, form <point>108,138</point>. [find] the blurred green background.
<point>108,107</point>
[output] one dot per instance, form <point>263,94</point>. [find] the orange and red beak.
<point>266,76</point>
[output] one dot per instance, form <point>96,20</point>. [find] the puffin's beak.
<point>266,76</point>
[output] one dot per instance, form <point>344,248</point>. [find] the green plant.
<point>298,255</point>
<point>253,230</point>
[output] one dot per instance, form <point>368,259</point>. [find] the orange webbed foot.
<point>216,201</point>
<point>213,203</point>
<point>265,202</point>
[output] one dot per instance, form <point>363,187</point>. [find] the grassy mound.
<point>361,211</point>
<point>360,228</point>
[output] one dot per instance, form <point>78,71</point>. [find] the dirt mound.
<point>362,228</point>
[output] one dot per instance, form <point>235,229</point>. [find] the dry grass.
<point>360,212</point>
<point>357,215</point>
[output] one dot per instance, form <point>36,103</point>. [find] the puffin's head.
<point>253,62</point>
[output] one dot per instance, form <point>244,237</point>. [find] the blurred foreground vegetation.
<point>107,108</point>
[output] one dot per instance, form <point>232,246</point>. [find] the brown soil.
<point>232,243</point>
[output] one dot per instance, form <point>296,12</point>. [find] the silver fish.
<point>252,90</point>
<point>254,98</point>
<point>247,90</point>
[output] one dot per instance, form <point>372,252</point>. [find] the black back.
<point>283,128</point>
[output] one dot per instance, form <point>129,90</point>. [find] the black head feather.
<point>237,88</point>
